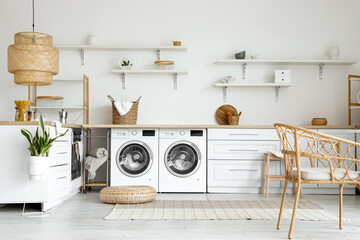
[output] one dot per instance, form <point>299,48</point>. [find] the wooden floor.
<point>81,218</point>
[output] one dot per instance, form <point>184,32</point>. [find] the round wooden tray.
<point>222,114</point>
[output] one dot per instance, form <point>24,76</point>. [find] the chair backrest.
<point>320,149</point>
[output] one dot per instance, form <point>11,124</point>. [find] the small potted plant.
<point>40,145</point>
<point>125,64</point>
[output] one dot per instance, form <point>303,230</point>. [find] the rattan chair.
<point>332,161</point>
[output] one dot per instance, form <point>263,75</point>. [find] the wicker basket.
<point>129,118</point>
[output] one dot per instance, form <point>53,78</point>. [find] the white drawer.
<point>59,155</point>
<point>242,134</point>
<point>240,149</point>
<point>239,173</point>
<point>58,185</point>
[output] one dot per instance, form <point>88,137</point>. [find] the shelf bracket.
<point>82,52</point>
<point>158,54</point>
<point>277,91</point>
<point>175,81</point>
<point>224,94</point>
<point>123,78</point>
<point>321,65</point>
<point>244,71</point>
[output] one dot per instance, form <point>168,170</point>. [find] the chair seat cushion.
<point>324,174</point>
<point>128,194</point>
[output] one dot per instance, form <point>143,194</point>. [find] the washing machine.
<point>182,160</point>
<point>134,157</point>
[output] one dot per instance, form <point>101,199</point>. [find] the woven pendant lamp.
<point>32,58</point>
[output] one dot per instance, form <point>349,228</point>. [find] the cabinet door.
<point>232,173</point>
<point>219,150</point>
<point>347,134</point>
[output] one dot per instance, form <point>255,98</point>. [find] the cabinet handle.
<point>62,153</point>
<point>239,134</point>
<point>242,170</point>
<point>243,150</point>
<point>61,140</point>
<point>61,177</point>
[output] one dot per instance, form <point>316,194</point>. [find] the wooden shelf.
<point>64,107</point>
<point>148,71</point>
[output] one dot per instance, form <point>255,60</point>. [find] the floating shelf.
<point>320,62</point>
<point>67,79</point>
<point>65,107</point>
<point>83,48</point>
<point>286,61</point>
<point>149,71</point>
<point>277,87</point>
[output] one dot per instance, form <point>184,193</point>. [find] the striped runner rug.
<point>219,210</point>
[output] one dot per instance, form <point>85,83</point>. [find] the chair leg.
<point>301,192</point>
<point>341,186</point>
<point>282,204</point>
<point>294,209</point>
<point>264,174</point>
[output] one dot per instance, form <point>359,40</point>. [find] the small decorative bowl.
<point>177,43</point>
<point>164,65</point>
<point>319,121</point>
<point>240,55</point>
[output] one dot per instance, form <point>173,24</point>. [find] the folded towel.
<point>123,107</point>
<point>92,164</point>
<point>98,152</point>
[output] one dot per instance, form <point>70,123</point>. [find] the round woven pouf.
<point>128,194</point>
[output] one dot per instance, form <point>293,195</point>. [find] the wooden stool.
<point>266,177</point>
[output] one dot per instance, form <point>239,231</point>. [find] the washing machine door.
<point>134,159</point>
<point>182,159</point>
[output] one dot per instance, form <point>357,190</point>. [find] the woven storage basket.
<point>128,194</point>
<point>129,118</point>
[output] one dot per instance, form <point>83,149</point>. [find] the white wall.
<point>212,29</point>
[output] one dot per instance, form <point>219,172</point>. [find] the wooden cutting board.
<point>222,114</point>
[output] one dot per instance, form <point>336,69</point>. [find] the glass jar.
<point>16,114</point>
<point>23,117</point>
<point>31,115</point>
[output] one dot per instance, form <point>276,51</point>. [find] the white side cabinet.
<point>235,159</point>
<point>14,182</point>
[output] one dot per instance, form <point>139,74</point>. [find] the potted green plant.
<point>125,64</point>
<point>40,145</point>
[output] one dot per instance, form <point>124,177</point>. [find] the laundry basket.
<point>129,118</point>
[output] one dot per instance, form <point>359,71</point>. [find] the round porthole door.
<point>134,159</point>
<point>182,159</point>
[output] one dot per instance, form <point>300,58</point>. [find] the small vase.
<point>38,166</point>
<point>334,53</point>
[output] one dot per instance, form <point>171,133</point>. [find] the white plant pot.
<point>38,167</point>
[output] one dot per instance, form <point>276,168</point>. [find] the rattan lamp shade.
<point>32,59</point>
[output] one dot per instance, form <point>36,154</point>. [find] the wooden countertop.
<point>14,123</point>
<point>211,126</point>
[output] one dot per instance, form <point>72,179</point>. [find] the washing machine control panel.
<point>182,133</point>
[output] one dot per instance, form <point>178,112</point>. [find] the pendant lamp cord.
<point>33,10</point>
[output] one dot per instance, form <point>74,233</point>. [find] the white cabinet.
<point>236,157</point>
<point>14,182</point>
